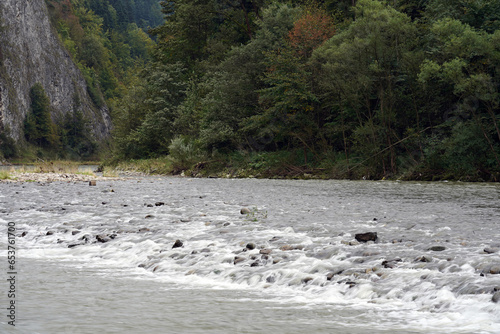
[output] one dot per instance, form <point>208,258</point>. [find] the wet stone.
<point>75,232</point>
<point>496,298</point>
<point>250,246</point>
<point>365,237</point>
<point>102,238</point>
<point>307,280</point>
<point>333,273</point>
<point>238,259</point>
<point>265,251</point>
<point>86,238</point>
<point>436,248</point>
<point>177,244</point>
<point>159,203</point>
<point>49,233</point>
<point>490,250</point>
<point>271,279</point>
<point>423,259</point>
<point>245,211</point>
<point>390,263</point>
<point>495,270</point>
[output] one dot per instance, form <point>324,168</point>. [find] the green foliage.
<point>362,88</point>
<point>184,153</point>
<point>8,147</point>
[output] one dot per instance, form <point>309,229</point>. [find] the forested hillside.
<point>108,43</point>
<point>344,89</point>
<point>351,88</point>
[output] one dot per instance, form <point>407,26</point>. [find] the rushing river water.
<point>175,255</point>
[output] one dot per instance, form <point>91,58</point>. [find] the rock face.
<point>30,53</point>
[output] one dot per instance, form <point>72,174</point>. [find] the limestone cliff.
<point>31,52</point>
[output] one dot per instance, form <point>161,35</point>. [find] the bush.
<point>184,153</point>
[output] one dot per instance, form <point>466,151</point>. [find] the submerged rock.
<point>365,237</point>
<point>390,263</point>
<point>496,297</point>
<point>333,273</point>
<point>250,246</point>
<point>238,259</point>
<point>423,259</point>
<point>490,250</point>
<point>436,248</point>
<point>159,203</point>
<point>102,238</point>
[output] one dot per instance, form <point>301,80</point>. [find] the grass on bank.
<point>291,165</point>
<point>4,175</point>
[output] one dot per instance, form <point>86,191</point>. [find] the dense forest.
<point>344,89</point>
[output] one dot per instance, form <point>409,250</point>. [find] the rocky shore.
<point>54,177</point>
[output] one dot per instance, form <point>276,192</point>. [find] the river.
<point>168,254</point>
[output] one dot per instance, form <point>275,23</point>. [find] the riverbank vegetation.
<point>345,89</point>
<point>334,89</point>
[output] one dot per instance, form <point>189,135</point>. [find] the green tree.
<point>364,73</point>
<point>39,127</point>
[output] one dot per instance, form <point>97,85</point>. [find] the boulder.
<point>75,232</point>
<point>177,244</point>
<point>238,259</point>
<point>365,237</point>
<point>49,233</point>
<point>250,246</point>
<point>490,250</point>
<point>245,211</point>
<point>92,183</point>
<point>159,203</point>
<point>265,251</point>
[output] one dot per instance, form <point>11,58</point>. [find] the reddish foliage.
<point>310,31</point>
<point>62,10</point>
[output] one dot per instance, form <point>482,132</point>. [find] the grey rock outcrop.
<point>31,52</point>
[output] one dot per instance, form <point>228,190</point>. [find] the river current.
<point>165,255</point>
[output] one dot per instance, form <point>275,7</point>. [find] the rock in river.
<point>178,244</point>
<point>437,248</point>
<point>496,298</point>
<point>365,237</point>
<point>245,211</point>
